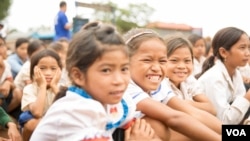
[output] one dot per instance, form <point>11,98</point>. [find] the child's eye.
<point>125,69</point>
<point>146,60</point>
<point>106,70</point>
<point>173,60</point>
<point>163,61</point>
<point>188,61</point>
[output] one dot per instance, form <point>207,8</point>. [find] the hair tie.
<point>138,34</point>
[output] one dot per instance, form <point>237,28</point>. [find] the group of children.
<point>139,86</point>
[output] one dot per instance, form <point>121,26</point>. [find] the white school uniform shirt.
<point>198,65</point>
<point>187,88</point>
<point>226,95</point>
<point>75,118</point>
<point>30,94</point>
<point>6,73</point>
<point>23,75</point>
<point>163,94</point>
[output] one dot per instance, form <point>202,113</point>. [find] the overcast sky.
<point>211,15</point>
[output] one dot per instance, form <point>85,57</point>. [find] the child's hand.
<point>54,82</point>
<point>56,78</point>
<point>140,130</point>
<point>13,132</point>
<point>39,77</point>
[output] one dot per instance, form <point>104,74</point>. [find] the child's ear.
<point>223,52</point>
<point>77,76</point>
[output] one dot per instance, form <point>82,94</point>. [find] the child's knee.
<point>31,125</point>
<point>17,95</point>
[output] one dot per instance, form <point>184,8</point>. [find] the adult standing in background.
<point>62,25</point>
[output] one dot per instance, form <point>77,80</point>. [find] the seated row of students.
<point>50,65</point>
<point>153,78</point>
<point>111,84</point>
<point>10,97</point>
<point>146,53</point>
<point>94,106</point>
<point>226,84</point>
<point>11,94</point>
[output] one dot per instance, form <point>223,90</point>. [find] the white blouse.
<point>75,118</point>
<point>198,65</point>
<point>163,94</point>
<point>226,94</point>
<point>187,88</point>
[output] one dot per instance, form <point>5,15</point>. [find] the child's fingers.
<point>150,130</point>
<point>127,133</point>
<point>136,125</point>
<point>142,125</point>
<point>36,73</point>
<point>146,128</point>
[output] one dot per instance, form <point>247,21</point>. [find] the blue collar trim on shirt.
<point>79,91</point>
<point>109,125</point>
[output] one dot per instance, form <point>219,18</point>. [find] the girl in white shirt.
<point>148,88</point>
<point>221,81</point>
<point>179,71</point>
<point>183,83</point>
<point>45,72</point>
<point>199,50</point>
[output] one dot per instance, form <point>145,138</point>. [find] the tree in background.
<point>136,15</point>
<point>4,8</point>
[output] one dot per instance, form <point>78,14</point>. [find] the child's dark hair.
<point>176,41</point>
<point>38,56</point>
<point>56,46</point>
<point>20,41</point>
<point>89,44</point>
<point>193,38</point>
<point>226,38</point>
<point>34,45</point>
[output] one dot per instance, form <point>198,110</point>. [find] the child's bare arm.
<point>202,102</point>
<point>37,107</point>
<point>178,121</point>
